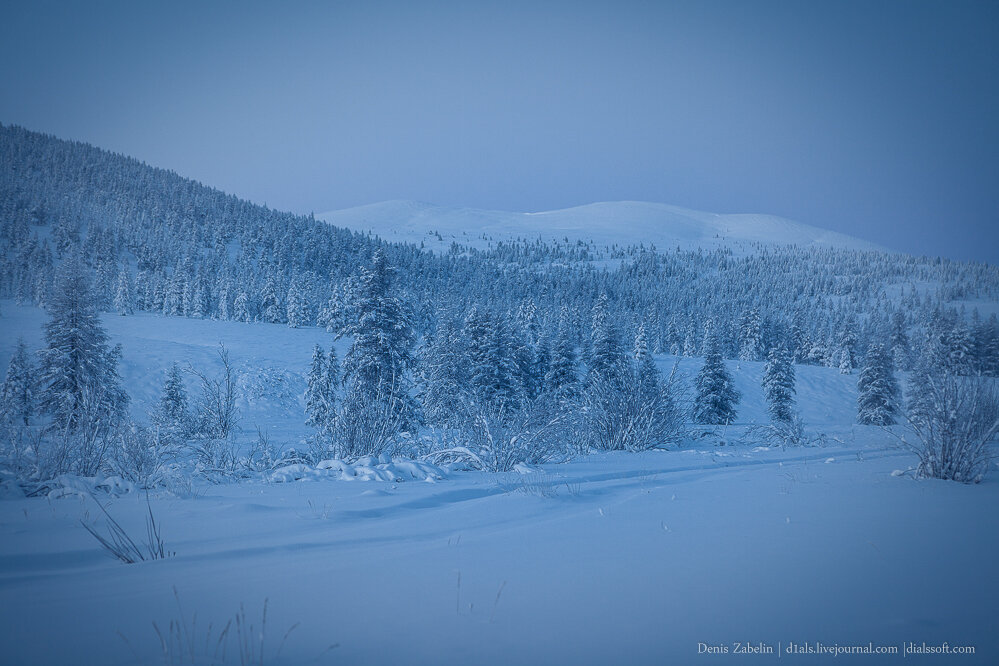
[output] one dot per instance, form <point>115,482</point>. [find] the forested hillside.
<point>158,242</point>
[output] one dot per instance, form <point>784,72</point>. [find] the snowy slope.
<point>623,223</point>
<point>272,360</point>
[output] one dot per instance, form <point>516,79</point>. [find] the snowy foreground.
<point>615,558</point>
<point>609,559</point>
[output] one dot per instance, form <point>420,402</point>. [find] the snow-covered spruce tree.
<point>899,341</point>
<point>877,399</point>
<point>778,384</point>
<point>241,308</point>
<point>525,360</point>
<point>123,299</point>
<point>493,373</point>
<point>607,400</point>
<point>336,313</point>
<point>332,383</point>
<point>562,378</point>
<point>607,359</point>
<point>716,397</point>
<point>846,354</point>
<point>655,415</point>
<point>542,361</point>
<point>80,388</point>
<point>79,373</point>
<point>296,307</point>
<point>443,374</point>
<point>17,395</point>
<point>377,404</point>
<point>800,343</point>
<point>317,402</point>
<point>171,419</point>
<point>751,336</point>
<point>270,304</point>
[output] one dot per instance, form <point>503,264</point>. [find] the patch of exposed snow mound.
<point>369,468</point>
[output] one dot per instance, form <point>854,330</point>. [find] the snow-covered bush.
<point>626,405</point>
<point>788,433</point>
<point>216,458</point>
<point>622,418</point>
<point>952,426</point>
<point>137,455</point>
<point>495,441</point>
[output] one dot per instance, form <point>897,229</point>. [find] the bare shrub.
<point>785,434</point>
<point>357,430</point>
<point>624,417</point>
<point>952,426</point>
<point>493,440</point>
<point>218,415</point>
<point>216,458</point>
<point>138,456</point>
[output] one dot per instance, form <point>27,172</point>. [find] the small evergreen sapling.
<point>778,385</point>
<point>877,399</point>
<point>716,398</point>
<point>17,395</point>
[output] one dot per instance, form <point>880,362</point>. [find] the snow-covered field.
<point>609,559</point>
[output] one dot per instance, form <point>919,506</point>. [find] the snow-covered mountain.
<point>623,223</point>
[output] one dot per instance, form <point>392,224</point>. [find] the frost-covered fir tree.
<point>647,376</point>
<point>959,350</point>
<point>241,308</point>
<point>929,363</point>
<point>197,301</point>
<point>123,299</point>
<point>17,395</point>
<point>172,419</point>
<point>751,336</point>
<point>376,368</point>
<point>332,378</point>
<point>899,341</point>
<point>877,389</point>
<point>318,407</point>
<point>801,344</point>
<point>80,386</point>
<point>270,304</point>
<point>716,397</point>
<point>846,352</point>
<point>297,309</point>
<point>443,374</point>
<point>525,359</point>
<point>656,419</point>
<point>335,314</point>
<point>778,384</point>
<point>562,377</point>
<point>607,360</point>
<point>494,378</point>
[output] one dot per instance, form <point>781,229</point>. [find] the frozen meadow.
<point>612,557</point>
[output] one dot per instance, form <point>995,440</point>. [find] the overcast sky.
<point>873,118</point>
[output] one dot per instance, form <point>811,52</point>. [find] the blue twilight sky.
<point>874,118</point>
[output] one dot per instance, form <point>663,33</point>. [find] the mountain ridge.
<point>606,223</point>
